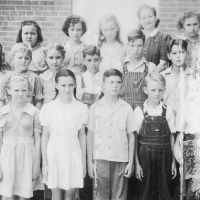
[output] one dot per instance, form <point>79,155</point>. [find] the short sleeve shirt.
<point>110,127</point>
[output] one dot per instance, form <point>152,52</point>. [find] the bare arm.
<point>90,141</point>
<point>82,139</point>
<point>45,139</point>
<point>131,143</point>
<point>174,171</point>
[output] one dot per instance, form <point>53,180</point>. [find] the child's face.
<point>191,26</point>
<point>147,19</point>
<point>54,59</point>
<point>75,32</point>
<point>19,91</point>
<point>155,91</point>
<point>135,48</point>
<point>66,86</point>
<point>29,35</point>
<point>21,61</point>
<point>177,56</point>
<point>109,30</point>
<point>92,63</point>
<point>112,85</point>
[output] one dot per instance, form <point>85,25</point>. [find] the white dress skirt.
<point>65,168</point>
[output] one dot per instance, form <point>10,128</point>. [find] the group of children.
<point>111,111</point>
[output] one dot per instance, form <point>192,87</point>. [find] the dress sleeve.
<point>165,39</point>
<point>44,116</point>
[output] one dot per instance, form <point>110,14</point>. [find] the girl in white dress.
<point>64,139</point>
<point>19,142</point>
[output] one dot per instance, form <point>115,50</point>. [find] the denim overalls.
<point>155,157</point>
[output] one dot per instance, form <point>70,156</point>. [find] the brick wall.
<point>50,15</point>
<point>170,10</point>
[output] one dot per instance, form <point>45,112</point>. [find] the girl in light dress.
<point>30,34</point>
<point>19,142</point>
<point>110,44</point>
<point>54,56</point>
<point>64,139</point>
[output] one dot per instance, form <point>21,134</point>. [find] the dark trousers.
<point>156,163</point>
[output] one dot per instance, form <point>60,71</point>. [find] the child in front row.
<point>19,142</point>
<point>110,141</point>
<point>135,68</point>
<point>21,57</point>
<point>63,139</point>
<point>154,124</point>
<point>89,84</point>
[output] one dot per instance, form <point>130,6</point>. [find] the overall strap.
<point>164,108</point>
<point>82,82</point>
<point>125,69</point>
<point>146,68</point>
<point>145,113</point>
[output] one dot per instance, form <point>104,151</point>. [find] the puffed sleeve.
<point>165,39</point>
<point>37,124</point>
<point>84,115</point>
<point>44,116</point>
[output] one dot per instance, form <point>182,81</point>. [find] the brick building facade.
<point>50,14</point>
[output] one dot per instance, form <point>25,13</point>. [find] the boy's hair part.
<point>157,77</point>
<point>72,20</point>
<point>26,23</point>
<point>136,34</point>
<point>112,72</point>
<point>187,14</point>
<point>145,6</point>
<point>20,47</point>
<point>179,42</point>
<point>91,50</point>
<point>57,47</point>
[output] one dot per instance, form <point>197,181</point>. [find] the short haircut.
<point>157,77</point>
<point>112,72</point>
<point>136,34</point>
<point>179,42</point>
<point>26,23</point>
<point>91,50</point>
<point>72,20</point>
<point>57,47</point>
<point>187,14</point>
<point>20,47</point>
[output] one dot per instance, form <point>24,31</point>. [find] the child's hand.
<point>91,170</point>
<point>139,172</point>
<point>128,170</point>
<point>45,173</point>
<point>174,170</point>
<point>36,171</point>
<point>77,196</point>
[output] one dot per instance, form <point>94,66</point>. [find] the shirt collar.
<point>47,75</point>
<point>139,64</point>
<point>29,109</point>
<point>120,102</point>
<point>146,106</point>
<point>151,34</point>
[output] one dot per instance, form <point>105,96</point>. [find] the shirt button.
<point>111,124</point>
<point>110,136</point>
<point>109,148</point>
